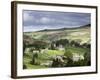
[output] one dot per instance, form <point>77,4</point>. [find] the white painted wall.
<point>5,40</point>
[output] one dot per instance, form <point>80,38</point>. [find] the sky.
<point>40,20</point>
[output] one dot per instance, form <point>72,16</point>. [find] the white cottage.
<point>77,57</point>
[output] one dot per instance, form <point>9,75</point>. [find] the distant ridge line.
<point>84,26</point>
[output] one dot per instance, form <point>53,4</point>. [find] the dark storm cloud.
<point>37,20</point>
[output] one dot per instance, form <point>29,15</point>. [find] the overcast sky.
<point>39,20</point>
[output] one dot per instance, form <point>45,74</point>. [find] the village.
<point>60,53</point>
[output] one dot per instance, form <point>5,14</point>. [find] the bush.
<point>69,62</point>
<point>78,63</point>
<point>62,42</point>
<point>34,58</point>
<point>87,59</point>
<point>57,62</point>
<point>68,54</point>
<point>24,66</point>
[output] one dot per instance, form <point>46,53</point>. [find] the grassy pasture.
<point>79,34</point>
<point>72,34</point>
<point>45,57</point>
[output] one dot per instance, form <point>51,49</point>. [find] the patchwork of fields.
<point>57,48</point>
<point>82,34</point>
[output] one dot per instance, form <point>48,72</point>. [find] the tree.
<point>24,47</point>
<point>24,66</point>
<point>34,58</point>
<point>69,57</point>
<point>86,45</point>
<point>53,46</point>
<point>38,45</point>
<point>58,61</point>
<point>77,44</point>
<point>63,42</point>
<point>72,43</point>
<point>87,58</point>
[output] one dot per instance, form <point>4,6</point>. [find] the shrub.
<point>87,60</point>
<point>57,62</point>
<point>68,54</point>
<point>24,66</point>
<point>34,58</point>
<point>69,58</point>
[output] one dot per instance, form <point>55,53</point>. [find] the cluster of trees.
<point>68,55</point>
<point>66,42</point>
<point>55,44</point>
<point>40,44</point>
<point>61,61</point>
<point>34,60</point>
<point>67,61</point>
<point>36,45</point>
<point>81,62</point>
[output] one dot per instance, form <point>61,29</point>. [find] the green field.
<point>82,34</point>
<point>79,50</point>
<point>43,58</point>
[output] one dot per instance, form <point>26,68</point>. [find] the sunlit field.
<point>57,48</point>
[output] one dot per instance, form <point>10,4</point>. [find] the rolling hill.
<point>81,34</point>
